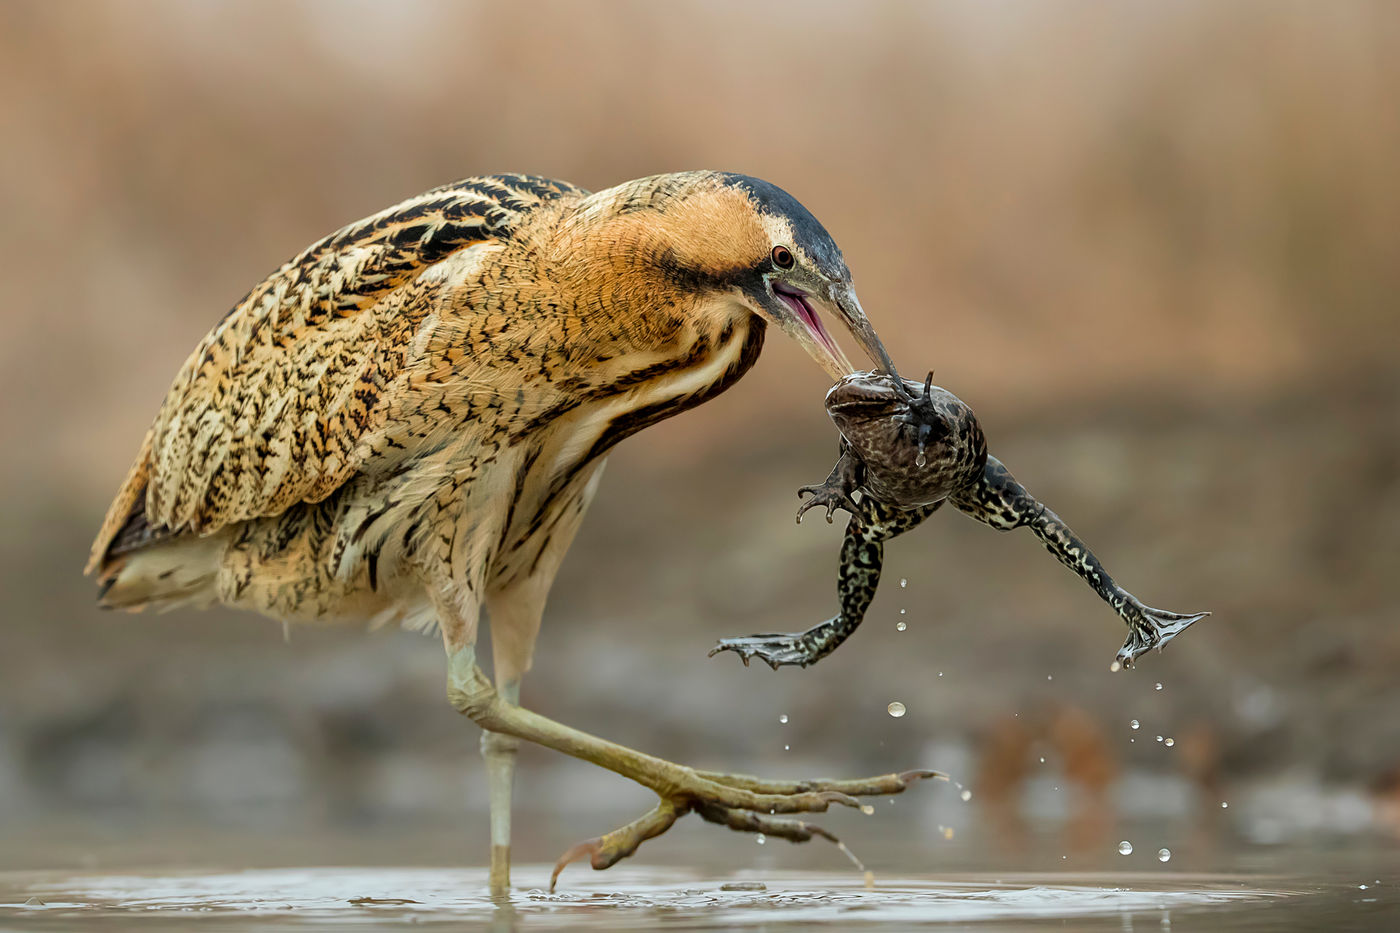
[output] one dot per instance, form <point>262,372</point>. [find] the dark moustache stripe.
<point>629,423</point>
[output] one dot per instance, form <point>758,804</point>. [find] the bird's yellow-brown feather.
<point>287,395</point>
<point>416,408</point>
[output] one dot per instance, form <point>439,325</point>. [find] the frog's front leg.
<point>862,559</point>
<point>998,500</point>
<point>835,491</point>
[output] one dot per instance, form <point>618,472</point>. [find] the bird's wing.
<point>274,405</point>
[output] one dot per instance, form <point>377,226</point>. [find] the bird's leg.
<point>835,491</point>
<point>500,751</point>
<point>681,789</point>
<point>514,612</point>
<point>998,500</point>
<point>862,558</point>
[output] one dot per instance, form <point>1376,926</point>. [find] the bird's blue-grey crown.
<point>811,236</point>
<point>794,294</point>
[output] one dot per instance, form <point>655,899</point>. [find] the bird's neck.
<point>626,292</point>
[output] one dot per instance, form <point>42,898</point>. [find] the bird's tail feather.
<point>164,576</point>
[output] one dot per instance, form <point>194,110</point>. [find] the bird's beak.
<point>803,322</point>
<point>848,309</point>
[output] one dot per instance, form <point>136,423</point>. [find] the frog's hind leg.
<point>996,499</point>
<point>862,560</point>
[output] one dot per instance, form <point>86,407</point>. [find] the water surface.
<point>644,898</point>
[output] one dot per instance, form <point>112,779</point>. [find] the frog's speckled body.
<point>911,460</point>
<point>905,450</point>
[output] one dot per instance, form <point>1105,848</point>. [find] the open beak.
<point>853,316</point>
<point>804,324</point>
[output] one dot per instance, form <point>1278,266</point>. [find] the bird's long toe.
<point>608,849</point>
<point>878,786</point>
<point>743,803</point>
<point>746,821</point>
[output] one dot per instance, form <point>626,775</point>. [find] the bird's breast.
<point>554,457</point>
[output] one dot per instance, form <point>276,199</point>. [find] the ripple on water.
<point>619,900</point>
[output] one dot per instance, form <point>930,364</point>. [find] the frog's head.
<point>915,440</point>
<point>863,398</point>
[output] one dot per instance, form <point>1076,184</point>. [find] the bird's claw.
<point>718,805</point>
<point>828,496</point>
<point>1153,628</point>
<point>775,649</point>
<point>608,849</point>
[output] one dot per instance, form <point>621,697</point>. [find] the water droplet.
<point>940,673</point>
<point>783,718</point>
<point>787,748</point>
<point>966,794</point>
<point>1224,805</point>
<point>1158,686</point>
<point>903,582</point>
<point>761,839</point>
<point>903,611</point>
<point>867,809</point>
<point>1159,738</point>
<point>1164,854</point>
<point>1135,725</point>
<point>900,626</point>
<point>1125,848</point>
<point>1049,676</point>
<point>896,709</point>
<point>1042,759</point>
<point>1169,742</point>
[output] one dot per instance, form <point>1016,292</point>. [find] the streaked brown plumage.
<point>406,422</point>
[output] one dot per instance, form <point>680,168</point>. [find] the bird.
<point>405,423</point>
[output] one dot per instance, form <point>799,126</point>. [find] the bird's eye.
<point>782,257</point>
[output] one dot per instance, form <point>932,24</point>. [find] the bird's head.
<point>733,239</point>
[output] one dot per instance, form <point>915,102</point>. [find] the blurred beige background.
<point>1155,245</point>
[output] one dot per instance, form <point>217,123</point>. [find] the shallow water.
<point>643,898</point>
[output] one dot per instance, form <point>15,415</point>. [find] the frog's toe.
<point>829,497</point>
<point>1156,628</point>
<point>774,649</point>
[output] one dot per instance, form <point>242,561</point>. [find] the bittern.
<point>406,422</point>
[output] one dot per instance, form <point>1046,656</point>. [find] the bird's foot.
<point>1150,628</point>
<point>829,495</point>
<point>744,804</point>
<point>777,649</point>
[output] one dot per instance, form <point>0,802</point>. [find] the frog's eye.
<point>782,257</point>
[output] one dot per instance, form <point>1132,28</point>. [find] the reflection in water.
<point>627,899</point>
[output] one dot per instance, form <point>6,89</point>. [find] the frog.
<point>907,449</point>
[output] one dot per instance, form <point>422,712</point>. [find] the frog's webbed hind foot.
<point>778,649</point>
<point>1150,628</point>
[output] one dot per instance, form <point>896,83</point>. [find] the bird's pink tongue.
<point>807,315</point>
